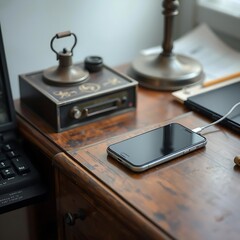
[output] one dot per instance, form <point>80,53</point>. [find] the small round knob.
<point>93,63</point>
<point>70,218</point>
<point>76,112</point>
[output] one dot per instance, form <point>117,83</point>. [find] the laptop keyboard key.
<point>8,147</point>
<point>2,157</point>
<point>20,165</point>
<point>4,164</point>
<point>12,154</point>
<point>8,173</point>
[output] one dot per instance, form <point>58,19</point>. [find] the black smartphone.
<point>157,146</point>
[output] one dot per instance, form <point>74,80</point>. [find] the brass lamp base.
<point>65,75</point>
<point>160,72</point>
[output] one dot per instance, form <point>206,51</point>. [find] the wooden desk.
<point>193,197</point>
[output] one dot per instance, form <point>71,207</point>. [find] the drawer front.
<point>80,217</point>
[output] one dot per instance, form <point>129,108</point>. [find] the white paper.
<point>185,93</point>
<point>218,60</point>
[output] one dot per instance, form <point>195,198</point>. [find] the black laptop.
<point>216,103</point>
<point>20,182</point>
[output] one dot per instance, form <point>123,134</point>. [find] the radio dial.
<point>76,113</point>
<point>124,100</point>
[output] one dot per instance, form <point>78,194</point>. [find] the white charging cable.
<point>200,129</point>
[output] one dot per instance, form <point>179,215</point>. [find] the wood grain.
<point>192,197</point>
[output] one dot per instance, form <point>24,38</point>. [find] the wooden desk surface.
<point>193,197</point>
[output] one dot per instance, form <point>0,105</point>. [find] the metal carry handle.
<point>62,35</point>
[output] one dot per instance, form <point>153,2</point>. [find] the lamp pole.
<point>170,9</point>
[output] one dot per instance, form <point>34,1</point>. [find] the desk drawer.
<point>94,222</point>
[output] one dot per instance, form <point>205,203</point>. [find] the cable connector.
<point>197,130</point>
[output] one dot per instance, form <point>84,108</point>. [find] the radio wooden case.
<point>105,93</point>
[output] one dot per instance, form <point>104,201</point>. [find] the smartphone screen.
<point>156,146</point>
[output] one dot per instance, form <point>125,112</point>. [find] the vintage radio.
<point>74,94</point>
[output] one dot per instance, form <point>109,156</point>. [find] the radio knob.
<point>76,113</point>
<point>124,99</point>
<point>93,63</point>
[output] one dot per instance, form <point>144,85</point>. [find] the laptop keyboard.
<point>11,162</point>
<point>17,176</point>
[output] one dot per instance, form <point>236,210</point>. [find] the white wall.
<point>114,29</point>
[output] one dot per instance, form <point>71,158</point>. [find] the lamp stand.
<point>166,71</point>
